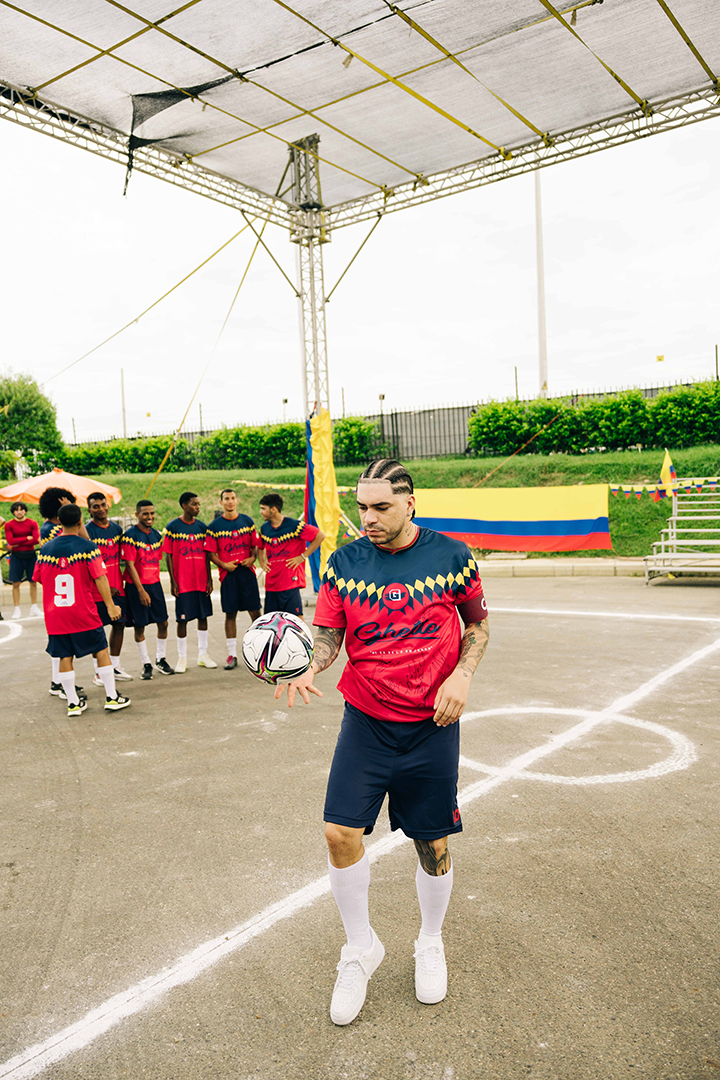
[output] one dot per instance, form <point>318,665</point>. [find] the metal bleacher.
<point>691,542</point>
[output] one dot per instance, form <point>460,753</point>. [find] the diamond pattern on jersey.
<point>358,592</point>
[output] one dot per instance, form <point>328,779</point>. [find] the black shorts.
<point>192,605</point>
<point>284,600</point>
<point>21,568</point>
<point>103,611</point>
<point>136,614</point>
<point>81,644</point>
<point>239,591</point>
<point>415,763</point>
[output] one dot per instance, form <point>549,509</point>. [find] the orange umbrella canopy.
<point>31,489</point>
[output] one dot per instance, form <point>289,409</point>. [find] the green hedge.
<point>272,447</point>
<point>688,416</point>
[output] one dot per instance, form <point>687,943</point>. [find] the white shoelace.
<point>348,970</point>
<point>430,958</point>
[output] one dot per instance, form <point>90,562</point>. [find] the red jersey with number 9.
<point>66,568</point>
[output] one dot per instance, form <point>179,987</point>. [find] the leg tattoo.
<point>436,863</point>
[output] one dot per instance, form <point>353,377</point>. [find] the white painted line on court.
<point>14,630</point>
<point>133,1000</point>
<point>607,614</point>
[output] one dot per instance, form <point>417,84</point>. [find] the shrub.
<point>355,440</point>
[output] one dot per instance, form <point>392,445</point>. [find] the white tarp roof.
<point>230,83</point>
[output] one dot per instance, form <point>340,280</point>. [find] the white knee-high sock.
<point>143,650</point>
<point>231,646</point>
<point>434,897</point>
<point>182,647</point>
<point>202,641</point>
<point>67,678</point>
<point>161,650</point>
<point>350,887</point>
<point>108,677</point>
<point>55,661</point>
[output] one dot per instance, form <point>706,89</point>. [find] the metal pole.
<point>122,397</point>
<point>517,396</point>
<point>74,432</point>
<point>717,378</point>
<point>310,231</point>
<point>343,401</point>
<point>542,330</point>
<point>201,420</point>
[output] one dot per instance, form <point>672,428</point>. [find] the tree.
<point>28,425</point>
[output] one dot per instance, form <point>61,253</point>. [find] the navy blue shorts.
<point>103,611</point>
<point>192,605</point>
<point>136,614</point>
<point>21,569</point>
<point>284,600</point>
<point>239,591</point>
<point>415,764</point>
<point>81,644</point>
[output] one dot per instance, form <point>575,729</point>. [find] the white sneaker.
<point>430,969</point>
<point>181,665</point>
<point>354,971</point>
<point>121,675</point>
<point>205,661</point>
<point>35,612</point>
<point>17,613</point>
<point>97,681</point>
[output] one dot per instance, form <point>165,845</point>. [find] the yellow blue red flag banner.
<point>519,519</point>
<point>322,505</point>
<point>668,480</point>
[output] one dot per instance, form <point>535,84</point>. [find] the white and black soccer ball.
<point>278,647</point>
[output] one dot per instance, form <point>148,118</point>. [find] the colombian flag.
<point>322,505</point>
<point>668,480</point>
<point>519,519</point>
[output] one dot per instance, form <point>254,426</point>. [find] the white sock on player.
<point>161,649</point>
<point>231,643</point>
<point>55,661</point>
<point>144,654</point>
<point>203,641</point>
<point>434,896</point>
<point>115,661</point>
<point>95,665</point>
<point>67,678</point>
<point>182,648</point>
<point>108,677</point>
<point>350,886</point>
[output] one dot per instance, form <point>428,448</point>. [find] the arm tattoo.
<point>473,646</point>
<point>327,645</point>
<point>433,864</point>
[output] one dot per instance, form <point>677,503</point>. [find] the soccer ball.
<point>277,647</point>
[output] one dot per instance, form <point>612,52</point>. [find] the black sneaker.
<point>164,667</point>
<point>146,671</point>
<point>79,709</point>
<point>112,704</point>
<point>78,691</point>
<point>231,663</point>
<point>56,689</point>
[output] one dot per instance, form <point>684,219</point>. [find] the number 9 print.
<point>64,590</point>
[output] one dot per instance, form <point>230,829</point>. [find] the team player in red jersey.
<point>190,577</point>
<point>283,551</point>
<point>232,542</point>
<point>141,551</point>
<point>107,535</point>
<point>67,567</point>
<point>22,536</point>
<point>394,596</point>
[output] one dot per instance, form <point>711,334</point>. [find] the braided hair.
<point>388,469</point>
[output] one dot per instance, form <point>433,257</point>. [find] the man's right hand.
<point>303,685</point>
<point>229,567</point>
<point>174,590</point>
<point>144,598</point>
<point>114,611</point>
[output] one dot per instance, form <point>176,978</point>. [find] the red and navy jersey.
<point>232,538</point>
<point>185,545</point>
<point>288,540</point>
<point>145,550</point>
<point>399,611</point>
<point>66,568</point>
<point>108,540</point>
<point>48,531</point>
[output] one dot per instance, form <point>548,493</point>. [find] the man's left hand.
<point>451,699</point>
<point>297,560</point>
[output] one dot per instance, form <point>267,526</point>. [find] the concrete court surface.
<point>164,913</point>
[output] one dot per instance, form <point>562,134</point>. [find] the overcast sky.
<point>439,308</point>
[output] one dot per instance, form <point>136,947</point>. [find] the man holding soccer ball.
<point>393,596</point>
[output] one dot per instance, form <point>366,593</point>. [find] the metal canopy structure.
<point>380,106</point>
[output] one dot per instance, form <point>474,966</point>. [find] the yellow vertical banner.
<point>327,501</point>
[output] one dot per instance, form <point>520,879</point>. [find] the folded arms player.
<point>393,597</point>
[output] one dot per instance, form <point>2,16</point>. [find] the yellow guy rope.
<point>154,304</point>
<point>642,102</point>
<point>688,42</point>
<point>396,82</point>
<point>451,56</point>
<point>207,365</point>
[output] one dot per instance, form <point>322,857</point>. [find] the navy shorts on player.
<point>239,591</point>
<point>80,644</point>
<point>416,763</point>
<point>102,611</point>
<point>284,600</point>
<point>136,614</point>
<point>21,568</point>
<point>192,605</point>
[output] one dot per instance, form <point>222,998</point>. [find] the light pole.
<point>284,401</point>
<point>542,330</point>
<point>382,422</point>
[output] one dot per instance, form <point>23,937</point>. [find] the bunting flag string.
<point>660,491</point>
